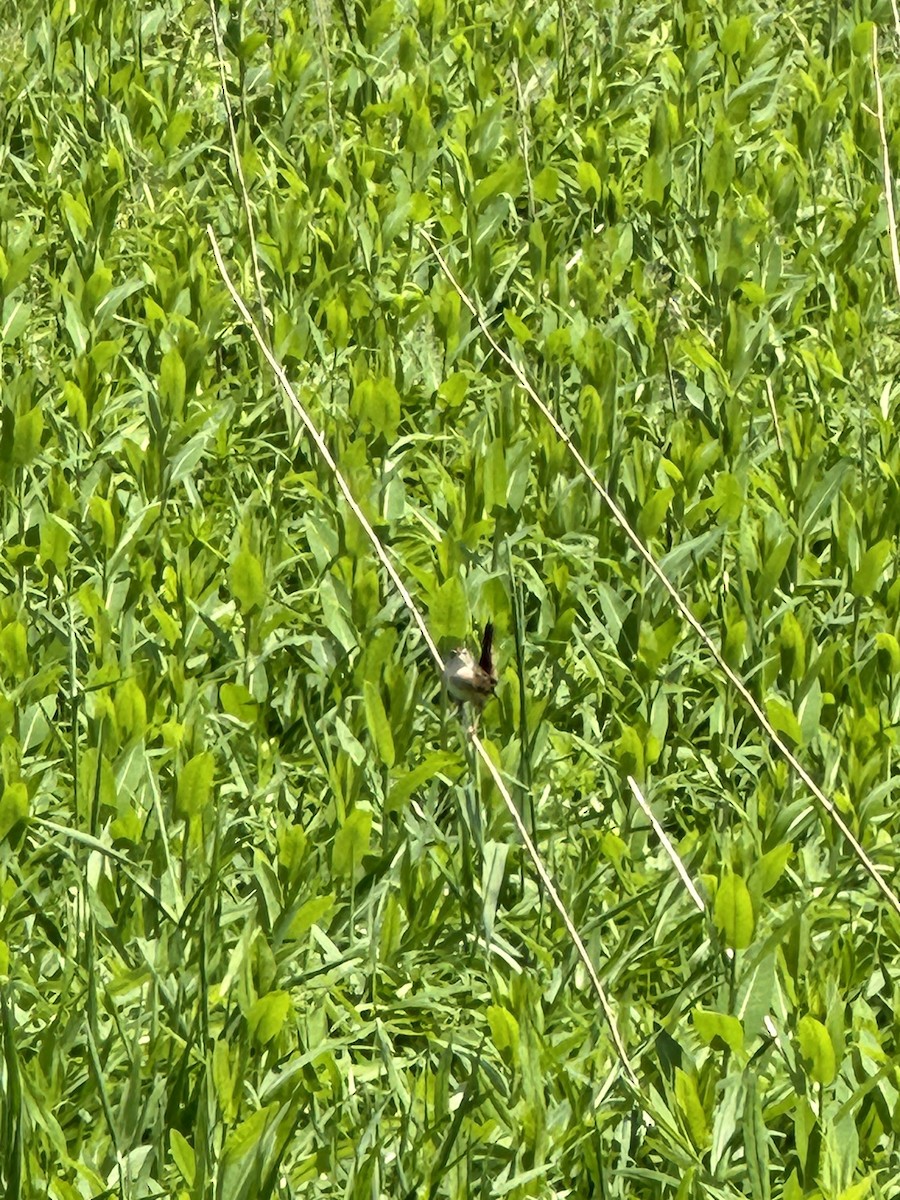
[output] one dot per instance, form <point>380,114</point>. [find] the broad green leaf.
<point>504,1032</point>
<point>349,743</point>
<point>247,1137</point>
<point>630,752</point>
<point>735,645</point>
<point>688,1100</point>
<point>56,538</point>
<point>406,784</point>
<point>783,720</point>
<point>247,581</point>
<point>711,1025</point>
<point>337,321</point>
<point>169,627</point>
<point>733,912</point>
<point>310,914</point>
<point>656,178</point>
<point>859,1190</point>
<point>449,610</point>
<point>292,844</point>
<point>453,390</point>
<point>183,1156</point>
<point>694,550</point>
<point>96,781</point>
<point>657,643</point>
<point>589,182</point>
<point>772,569</point>
<point>268,1015</point>
<point>29,429</point>
<point>793,1189</point>
<point>223,1078</point>
<point>653,514</point>
<point>507,179</point>
<point>96,288</point>
<point>351,842</point>
<point>810,711</point>
<point>419,208</point>
<point>195,782</point>
<point>76,215</point>
<point>615,848</point>
<point>718,167</point>
<point>816,1050</point>
<point>376,405</point>
<point>16,318</point>
<point>378,22</point>
<point>172,383</point>
<point>518,328</point>
<point>335,611</point>
<point>888,651</point>
<point>769,869</point>
<point>177,130</point>
<point>378,724</point>
<point>14,650</point>
<point>103,353</point>
<point>17,266</point>
<point>546,184</point>
<point>793,647</point>
<point>407,51</point>
<point>102,514</point>
<point>495,476</point>
<point>237,701</point>
<point>861,38</point>
<point>757,993</point>
<point>870,569</point>
<point>172,733</point>
<point>6,715</point>
<point>76,404</point>
<point>14,807</point>
<point>131,709</point>
<point>420,135</point>
<point>736,34</point>
<point>127,827</point>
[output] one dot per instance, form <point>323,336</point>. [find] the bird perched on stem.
<point>468,680</point>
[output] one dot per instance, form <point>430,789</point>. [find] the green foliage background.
<point>264,928</point>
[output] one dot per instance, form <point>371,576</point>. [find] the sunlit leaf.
<point>14,806</point>
<point>352,842</point>
<point>733,912</point>
<point>267,1017</point>
<point>247,581</point>
<point>195,785</point>
<point>816,1050</point>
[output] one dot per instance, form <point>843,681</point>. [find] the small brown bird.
<point>466,679</point>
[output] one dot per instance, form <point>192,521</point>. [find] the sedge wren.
<point>465,679</point>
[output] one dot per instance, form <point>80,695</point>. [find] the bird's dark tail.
<point>486,660</point>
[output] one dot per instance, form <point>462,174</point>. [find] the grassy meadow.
<point>595,307</point>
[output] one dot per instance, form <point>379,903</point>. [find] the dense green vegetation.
<point>266,925</point>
